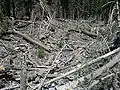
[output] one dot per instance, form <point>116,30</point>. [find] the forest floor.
<point>67,44</point>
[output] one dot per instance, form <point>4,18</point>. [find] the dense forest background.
<point>68,9</point>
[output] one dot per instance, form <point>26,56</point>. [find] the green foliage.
<point>114,27</point>
<point>4,24</point>
<point>60,44</point>
<point>41,52</point>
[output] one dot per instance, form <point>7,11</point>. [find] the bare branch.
<point>29,39</point>
<point>79,66</point>
<point>96,73</point>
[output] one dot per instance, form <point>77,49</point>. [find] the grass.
<point>40,52</point>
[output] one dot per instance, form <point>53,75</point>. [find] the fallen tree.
<point>94,74</point>
<point>79,66</point>
<point>26,37</point>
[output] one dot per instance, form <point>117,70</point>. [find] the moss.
<point>4,24</point>
<point>60,43</point>
<point>40,52</point>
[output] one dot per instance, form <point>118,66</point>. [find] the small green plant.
<point>41,52</point>
<point>60,44</point>
<point>4,24</point>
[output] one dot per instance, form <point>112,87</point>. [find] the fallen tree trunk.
<point>29,39</point>
<point>90,34</point>
<point>93,75</point>
<point>78,67</point>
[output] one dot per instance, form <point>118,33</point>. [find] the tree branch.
<point>94,74</point>
<point>29,39</point>
<point>79,66</point>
